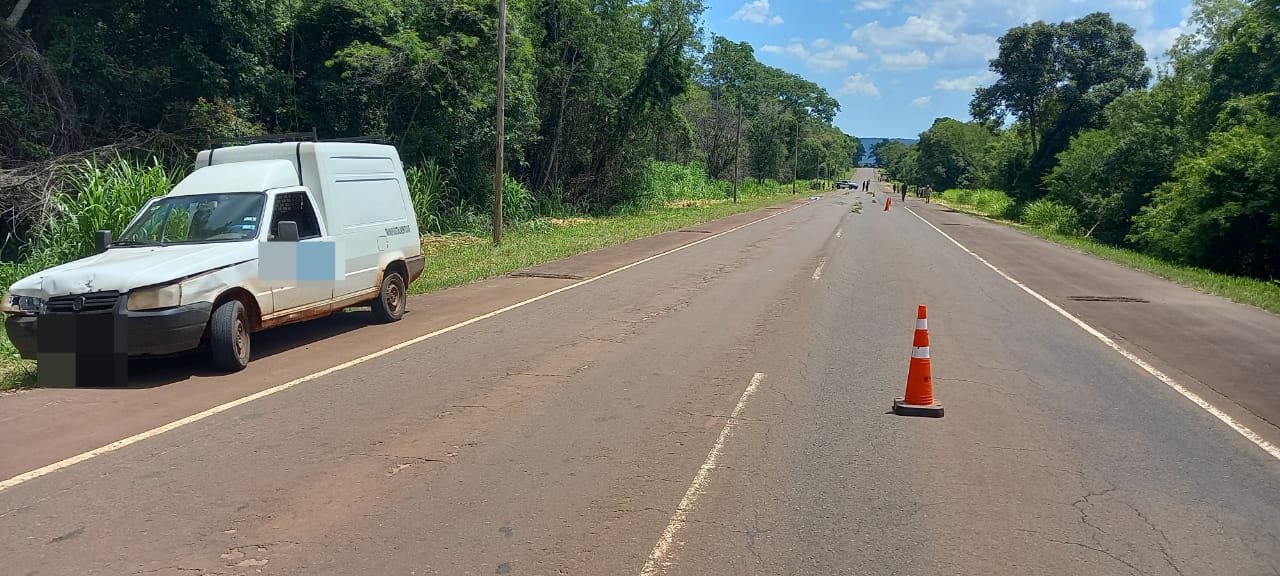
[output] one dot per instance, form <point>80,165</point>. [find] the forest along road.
<point>721,409</point>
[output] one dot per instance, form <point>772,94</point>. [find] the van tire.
<point>392,299</point>
<point>229,336</point>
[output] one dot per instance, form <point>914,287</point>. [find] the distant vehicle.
<point>185,271</point>
<point>847,184</point>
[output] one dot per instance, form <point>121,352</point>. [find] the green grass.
<point>15,373</point>
<point>457,259</point>
<point>1249,291</point>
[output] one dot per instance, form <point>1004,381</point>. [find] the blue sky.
<point>895,65</point>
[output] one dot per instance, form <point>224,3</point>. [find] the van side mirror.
<point>287,231</point>
<point>102,240</point>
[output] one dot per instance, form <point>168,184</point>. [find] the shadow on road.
<point>153,372</point>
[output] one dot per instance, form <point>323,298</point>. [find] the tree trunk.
<point>552,172</point>
<point>1035,143</point>
<point>18,10</point>
<point>22,63</point>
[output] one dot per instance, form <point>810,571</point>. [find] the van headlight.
<point>22,304</point>
<point>155,297</point>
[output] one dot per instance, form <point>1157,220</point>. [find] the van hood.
<point>126,268</point>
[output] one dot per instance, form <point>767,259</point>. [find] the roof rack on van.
<point>311,136</point>
<point>374,139</point>
<point>292,136</point>
<point>299,137</point>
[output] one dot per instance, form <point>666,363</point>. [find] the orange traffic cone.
<point>887,202</point>
<point>919,398</point>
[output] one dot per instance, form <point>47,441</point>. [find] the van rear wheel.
<point>229,336</point>
<point>392,298</point>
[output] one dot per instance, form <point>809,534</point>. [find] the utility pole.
<point>795,164</point>
<point>502,93</point>
<point>737,155</point>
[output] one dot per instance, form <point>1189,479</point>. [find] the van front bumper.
<point>151,332</point>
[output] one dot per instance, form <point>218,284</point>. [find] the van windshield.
<point>197,218</point>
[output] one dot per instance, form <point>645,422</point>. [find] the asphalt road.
<point>590,431</point>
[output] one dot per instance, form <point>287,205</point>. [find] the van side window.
<point>294,206</point>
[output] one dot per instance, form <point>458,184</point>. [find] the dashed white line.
<point>818,273</point>
<point>112,447</point>
<point>1243,430</point>
<point>658,557</point>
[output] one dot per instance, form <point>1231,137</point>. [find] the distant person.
<point>904,194</point>
<point>928,194</point>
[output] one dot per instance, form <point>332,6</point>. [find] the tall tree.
<point>729,73</point>
<point>1028,74</point>
<point>950,151</point>
<point>1058,78</point>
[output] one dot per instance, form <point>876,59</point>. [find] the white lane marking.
<point>658,557</point>
<point>1261,442</point>
<point>73,460</point>
<point>839,232</point>
<point>818,273</point>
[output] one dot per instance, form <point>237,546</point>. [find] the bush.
<point>664,182</point>
<point>993,203</point>
<point>429,190</point>
<point>100,198</point>
<point>1051,216</point>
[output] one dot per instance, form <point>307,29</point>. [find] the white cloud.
<point>961,22</point>
<point>1157,42</point>
<point>826,57</point>
<point>916,30</point>
<point>967,83</point>
<point>837,58</point>
<point>913,60</point>
<point>795,49</point>
<point>757,11</point>
<point>860,84</point>
<point>971,50</point>
<point>874,4</point>
<point>921,102</point>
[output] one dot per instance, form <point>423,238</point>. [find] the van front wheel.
<point>392,298</point>
<point>229,336</point>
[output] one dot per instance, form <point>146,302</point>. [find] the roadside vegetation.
<point>1059,223</point>
<point>622,118</point>
<point>1180,177</point>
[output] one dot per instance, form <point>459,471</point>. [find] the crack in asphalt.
<point>265,546</point>
<point>784,396</point>
<point>1164,548</point>
<point>1015,448</point>
<point>721,416</point>
<point>392,456</point>
<point>751,534</point>
<point>1048,538</point>
<point>178,568</point>
<point>1084,516</point>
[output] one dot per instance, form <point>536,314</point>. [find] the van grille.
<point>92,302</point>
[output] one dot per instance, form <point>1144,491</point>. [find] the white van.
<point>185,273</point>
